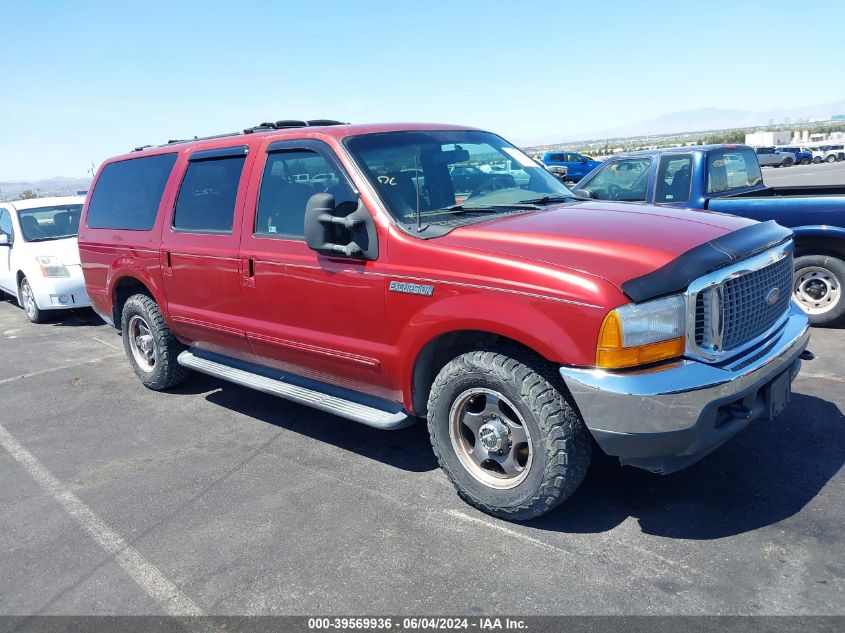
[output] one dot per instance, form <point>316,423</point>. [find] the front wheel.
<point>30,305</point>
<point>817,160</point>
<point>830,159</point>
<point>818,288</point>
<point>787,162</point>
<point>505,434</point>
<point>805,161</point>
<point>150,345</point>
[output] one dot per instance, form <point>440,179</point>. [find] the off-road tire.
<point>836,268</point>
<point>560,443</point>
<point>166,372</point>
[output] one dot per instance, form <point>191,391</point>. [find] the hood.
<point>66,250</point>
<point>612,240</point>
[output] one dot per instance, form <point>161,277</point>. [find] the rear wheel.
<point>30,305</point>
<point>787,162</point>
<point>818,288</point>
<point>805,161</point>
<point>505,434</point>
<point>151,347</point>
<point>830,158</point>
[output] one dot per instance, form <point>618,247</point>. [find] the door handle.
<point>166,264</point>
<point>248,272</point>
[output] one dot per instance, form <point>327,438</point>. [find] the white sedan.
<point>39,255</point>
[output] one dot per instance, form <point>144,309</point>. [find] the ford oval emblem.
<point>773,296</point>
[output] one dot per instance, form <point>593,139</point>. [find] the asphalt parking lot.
<point>219,500</point>
<point>805,175</point>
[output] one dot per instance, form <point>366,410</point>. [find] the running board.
<point>365,414</point>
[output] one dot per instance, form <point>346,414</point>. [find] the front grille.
<point>736,312</point>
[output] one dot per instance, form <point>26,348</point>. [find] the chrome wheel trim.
<point>28,300</point>
<point>482,412</point>
<point>142,343</point>
<point>816,289</point>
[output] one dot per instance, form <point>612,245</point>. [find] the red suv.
<point>347,267</point>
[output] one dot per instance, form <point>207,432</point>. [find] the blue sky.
<point>85,80</point>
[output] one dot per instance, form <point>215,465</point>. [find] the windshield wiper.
<point>49,239</point>
<point>488,208</point>
<point>548,200</point>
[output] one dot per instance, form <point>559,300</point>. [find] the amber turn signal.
<point>610,354</point>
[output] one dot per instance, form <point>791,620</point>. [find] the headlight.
<point>636,334</point>
<point>52,266</point>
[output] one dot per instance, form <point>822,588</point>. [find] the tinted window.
<point>673,179</point>
<point>127,194</point>
<point>206,202</point>
<point>622,180</point>
<point>5,222</point>
<point>290,179</point>
<point>50,223</point>
<point>732,169</point>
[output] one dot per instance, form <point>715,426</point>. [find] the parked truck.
<point>521,322</point>
<point>727,179</point>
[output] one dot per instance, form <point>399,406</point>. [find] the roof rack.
<point>261,127</point>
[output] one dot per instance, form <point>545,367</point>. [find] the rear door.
<point>199,249</point>
<point>318,316</point>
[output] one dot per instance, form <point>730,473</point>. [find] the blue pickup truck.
<point>727,179</point>
<point>574,165</point>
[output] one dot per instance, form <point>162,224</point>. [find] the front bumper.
<point>666,417</point>
<point>60,293</point>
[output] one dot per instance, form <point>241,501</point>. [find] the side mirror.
<point>329,231</point>
<point>5,240</point>
<point>583,160</point>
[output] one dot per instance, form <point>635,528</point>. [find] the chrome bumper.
<point>666,417</point>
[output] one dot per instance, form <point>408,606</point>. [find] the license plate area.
<point>777,394</point>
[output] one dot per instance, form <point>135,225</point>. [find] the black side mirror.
<point>329,231</point>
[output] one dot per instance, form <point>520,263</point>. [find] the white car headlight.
<point>52,266</point>
<point>636,334</point>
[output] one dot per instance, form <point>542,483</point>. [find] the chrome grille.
<point>745,311</point>
<point>735,312</point>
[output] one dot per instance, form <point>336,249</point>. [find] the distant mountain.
<point>58,186</point>
<point>703,119</point>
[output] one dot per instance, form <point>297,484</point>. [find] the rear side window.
<point>128,193</point>
<point>206,202</point>
<point>732,169</point>
<point>673,179</point>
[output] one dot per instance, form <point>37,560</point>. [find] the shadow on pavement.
<point>407,449</point>
<point>765,474</point>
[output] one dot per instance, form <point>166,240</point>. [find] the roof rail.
<point>261,127</point>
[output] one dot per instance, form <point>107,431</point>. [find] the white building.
<point>765,139</point>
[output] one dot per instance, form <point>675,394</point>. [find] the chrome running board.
<point>282,387</point>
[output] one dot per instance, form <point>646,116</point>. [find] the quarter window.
<point>290,179</point>
<point>206,202</point>
<point>673,179</point>
<point>128,193</point>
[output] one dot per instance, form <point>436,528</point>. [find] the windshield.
<point>441,174</point>
<point>50,223</point>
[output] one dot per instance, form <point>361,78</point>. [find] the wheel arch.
<point>819,240</point>
<point>122,287</point>
<point>442,348</point>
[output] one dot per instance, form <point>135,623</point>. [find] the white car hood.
<point>66,250</point>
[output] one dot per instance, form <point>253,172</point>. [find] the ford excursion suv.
<point>345,268</point>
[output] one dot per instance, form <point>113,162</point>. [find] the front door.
<point>199,251</point>
<point>318,316</point>
<point>7,281</point>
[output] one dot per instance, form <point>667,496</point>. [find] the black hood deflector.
<point>705,258</point>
